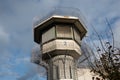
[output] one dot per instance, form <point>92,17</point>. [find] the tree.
<point>106,60</point>
<point>108,65</point>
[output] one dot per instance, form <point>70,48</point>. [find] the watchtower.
<point>60,37</point>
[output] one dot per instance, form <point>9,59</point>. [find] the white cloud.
<point>4,37</point>
<point>23,60</point>
<point>19,20</point>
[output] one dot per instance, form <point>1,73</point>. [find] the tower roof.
<point>58,19</point>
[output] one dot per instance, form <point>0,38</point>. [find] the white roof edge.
<point>56,16</point>
<point>70,17</point>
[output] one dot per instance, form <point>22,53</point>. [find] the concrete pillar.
<point>62,67</point>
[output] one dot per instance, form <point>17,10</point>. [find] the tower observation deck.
<point>59,35</point>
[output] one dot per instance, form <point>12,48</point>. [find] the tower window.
<point>48,35</point>
<point>64,31</point>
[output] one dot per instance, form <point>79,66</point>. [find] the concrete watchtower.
<point>59,37</point>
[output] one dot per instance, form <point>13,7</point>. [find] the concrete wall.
<point>85,74</point>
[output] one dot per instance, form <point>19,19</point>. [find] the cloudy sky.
<point>16,35</point>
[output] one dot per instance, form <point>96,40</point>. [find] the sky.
<point>16,30</point>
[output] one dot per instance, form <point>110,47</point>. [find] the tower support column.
<point>62,67</point>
